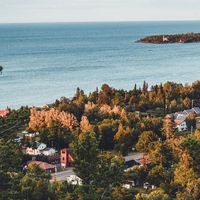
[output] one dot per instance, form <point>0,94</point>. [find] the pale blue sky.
<point>97,10</point>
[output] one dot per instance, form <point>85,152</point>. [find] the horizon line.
<point>99,21</point>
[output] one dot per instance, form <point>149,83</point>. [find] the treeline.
<point>117,116</point>
<point>171,96</point>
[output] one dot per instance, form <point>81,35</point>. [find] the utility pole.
<point>55,174</point>
<point>192,103</point>
<point>191,129</point>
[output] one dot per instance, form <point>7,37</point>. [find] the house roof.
<point>178,113</point>
<point>135,156</point>
<point>48,149</point>
<point>181,117</point>
<point>169,116</point>
<point>179,121</point>
<point>38,144</point>
<point>188,111</point>
<point>196,110</point>
<point>4,113</point>
<point>42,165</point>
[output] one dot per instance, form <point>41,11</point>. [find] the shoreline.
<point>50,102</point>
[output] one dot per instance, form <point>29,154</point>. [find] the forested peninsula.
<point>176,38</point>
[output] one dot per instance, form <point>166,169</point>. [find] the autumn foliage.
<point>45,118</point>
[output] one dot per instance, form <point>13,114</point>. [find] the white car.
<point>74,180</point>
<point>129,185</point>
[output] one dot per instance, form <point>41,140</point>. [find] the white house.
<point>30,135</point>
<point>181,116</point>
<point>41,146</point>
<point>33,152</point>
<point>36,151</point>
<point>48,151</point>
<point>181,125</point>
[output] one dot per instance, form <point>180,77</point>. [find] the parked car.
<point>74,180</point>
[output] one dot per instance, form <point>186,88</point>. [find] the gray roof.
<point>189,111</point>
<point>196,110</point>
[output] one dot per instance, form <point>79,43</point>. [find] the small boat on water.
<point>1,69</point>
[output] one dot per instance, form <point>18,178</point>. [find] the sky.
<point>19,11</point>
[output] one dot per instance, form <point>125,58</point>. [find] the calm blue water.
<point>43,62</point>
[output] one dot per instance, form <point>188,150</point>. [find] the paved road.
<point>134,156</point>
<point>62,176</point>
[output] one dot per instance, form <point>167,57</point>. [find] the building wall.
<point>63,158</point>
<point>49,152</point>
<point>32,151</point>
<point>182,127</point>
<point>66,159</point>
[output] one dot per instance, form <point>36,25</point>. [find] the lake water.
<point>43,62</point>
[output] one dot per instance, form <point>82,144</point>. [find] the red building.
<point>4,113</point>
<point>66,158</point>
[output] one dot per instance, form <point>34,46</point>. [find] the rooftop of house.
<point>42,165</point>
<point>4,113</point>
<point>196,110</point>
<point>179,121</point>
<point>169,116</point>
<point>178,113</point>
<point>35,144</point>
<point>183,114</point>
<point>134,156</point>
<point>48,149</point>
<point>181,117</point>
<point>30,134</point>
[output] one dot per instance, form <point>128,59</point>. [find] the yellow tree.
<point>186,177</point>
<point>169,127</point>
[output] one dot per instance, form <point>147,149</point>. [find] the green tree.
<point>145,140</point>
<point>99,172</point>
<point>10,156</point>
<point>86,152</point>
<point>124,139</point>
<point>106,130</point>
<point>110,172</point>
<point>157,194</point>
<point>192,145</point>
<point>34,185</point>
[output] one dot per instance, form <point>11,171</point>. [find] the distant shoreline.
<point>175,38</point>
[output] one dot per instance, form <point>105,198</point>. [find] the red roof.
<point>42,165</point>
<point>4,113</point>
<point>168,116</point>
<point>179,121</point>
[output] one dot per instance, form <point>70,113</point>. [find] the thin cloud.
<point>97,10</point>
